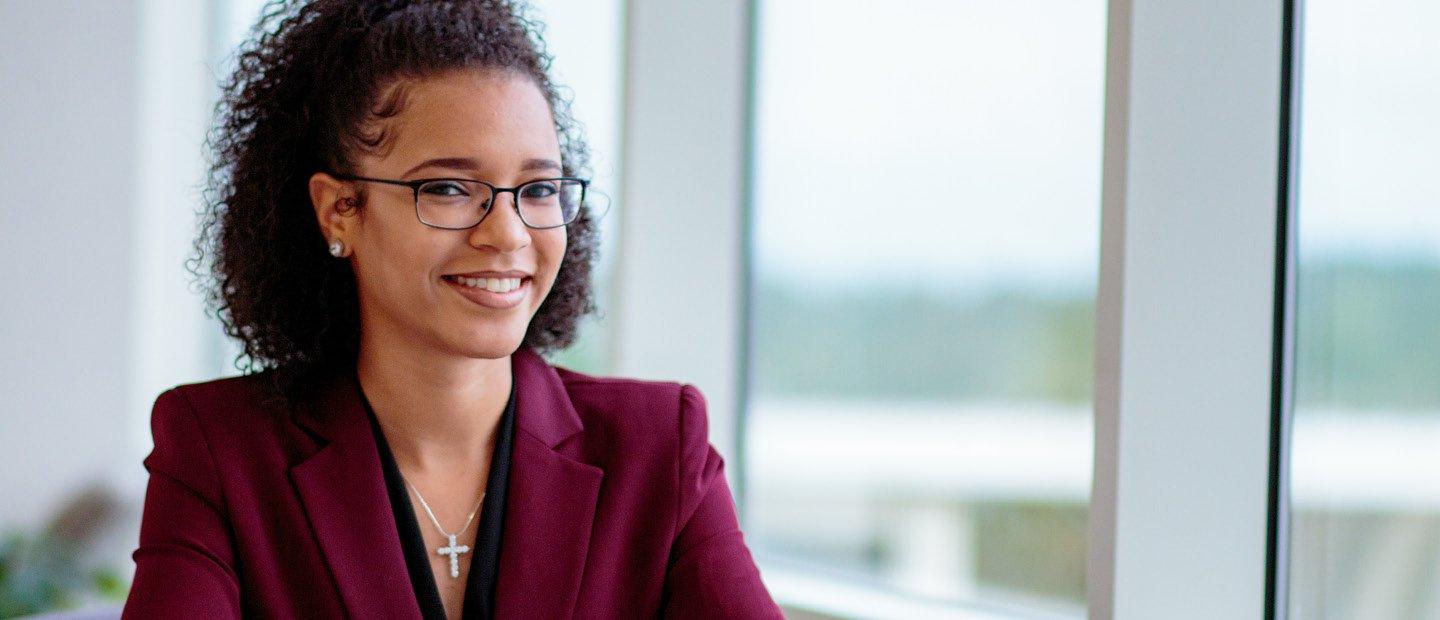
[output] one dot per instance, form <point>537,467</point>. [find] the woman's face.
<point>484,125</point>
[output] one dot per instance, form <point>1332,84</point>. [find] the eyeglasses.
<point>457,204</point>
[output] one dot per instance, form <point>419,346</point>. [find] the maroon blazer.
<point>617,507</point>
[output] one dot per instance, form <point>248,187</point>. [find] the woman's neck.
<point>436,410</point>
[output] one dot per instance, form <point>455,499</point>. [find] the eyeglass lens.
<point>462,204</point>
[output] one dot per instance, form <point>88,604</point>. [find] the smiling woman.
<point>405,272</point>
<point>393,304</point>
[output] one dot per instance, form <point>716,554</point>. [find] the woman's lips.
<point>489,299</point>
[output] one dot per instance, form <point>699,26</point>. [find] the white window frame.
<point>1194,328</point>
<point>1193,394</point>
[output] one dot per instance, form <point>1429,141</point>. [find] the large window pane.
<point>1365,539</point>
<point>925,243</point>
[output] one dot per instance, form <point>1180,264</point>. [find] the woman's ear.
<point>331,199</point>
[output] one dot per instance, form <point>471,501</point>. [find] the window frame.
<point>1164,65</point>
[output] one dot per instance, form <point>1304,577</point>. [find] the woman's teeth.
<point>494,285</point>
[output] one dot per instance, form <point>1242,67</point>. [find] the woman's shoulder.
<point>229,427</point>
<point>235,395</point>
<point>624,397</point>
<point>253,386</point>
<point>225,407</point>
<point>629,409</point>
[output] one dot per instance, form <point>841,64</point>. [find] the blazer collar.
<point>551,417</point>
<point>549,506</point>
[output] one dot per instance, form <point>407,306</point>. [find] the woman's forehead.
<point>494,117</point>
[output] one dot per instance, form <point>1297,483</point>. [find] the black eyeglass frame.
<point>495,192</point>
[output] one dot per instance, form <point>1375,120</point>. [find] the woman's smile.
<point>497,293</point>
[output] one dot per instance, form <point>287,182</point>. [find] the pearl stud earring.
<point>337,248</point>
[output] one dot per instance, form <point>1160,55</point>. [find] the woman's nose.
<point>502,226</point>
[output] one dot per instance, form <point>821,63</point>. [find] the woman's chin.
<point>490,333</point>
<point>488,343</point>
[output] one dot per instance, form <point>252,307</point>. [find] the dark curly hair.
<point>307,88</point>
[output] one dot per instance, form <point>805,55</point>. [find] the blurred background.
<point>917,243</point>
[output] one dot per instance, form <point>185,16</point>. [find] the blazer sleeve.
<point>185,563</point>
<point>711,573</point>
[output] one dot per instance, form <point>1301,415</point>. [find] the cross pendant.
<point>453,550</point>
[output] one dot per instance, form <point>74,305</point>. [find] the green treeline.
<point>1368,338</point>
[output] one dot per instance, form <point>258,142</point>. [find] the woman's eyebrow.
<point>471,164</point>
<point>541,164</point>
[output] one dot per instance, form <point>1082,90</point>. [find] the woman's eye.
<point>444,188</point>
<point>540,190</point>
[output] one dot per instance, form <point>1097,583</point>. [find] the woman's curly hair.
<point>304,96</point>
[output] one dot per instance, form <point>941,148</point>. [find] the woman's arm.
<point>711,572</point>
<point>185,564</point>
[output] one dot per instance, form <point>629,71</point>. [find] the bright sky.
<point>933,140</point>
<point>1370,139</point>
<point>980,122</point>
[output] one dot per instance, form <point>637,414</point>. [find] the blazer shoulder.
<point>251,386</point>
<point>625,396</point>
<point>232,407</point>
<point>235,394</point>
<point>661,413</point>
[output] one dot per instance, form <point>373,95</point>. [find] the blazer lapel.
<point>550,503</point>
<point>549,506</point>
<point>342,488</point>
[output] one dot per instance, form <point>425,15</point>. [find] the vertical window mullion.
<point>1185,356</point>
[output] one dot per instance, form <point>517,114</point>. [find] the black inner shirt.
<point>484,554</point>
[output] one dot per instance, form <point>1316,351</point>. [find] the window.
<point>925,236</point>
<point>1365,470</point>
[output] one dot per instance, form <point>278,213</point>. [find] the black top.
<point>484,554</point>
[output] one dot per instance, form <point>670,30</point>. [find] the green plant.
<point>44,570</point>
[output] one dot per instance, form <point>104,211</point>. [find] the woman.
<point>396,231</point>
